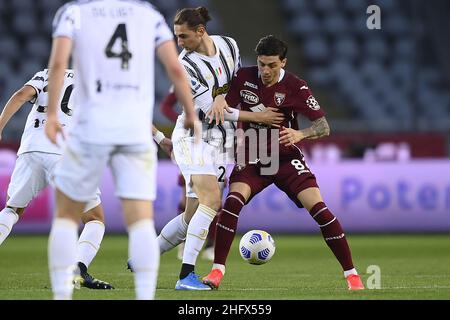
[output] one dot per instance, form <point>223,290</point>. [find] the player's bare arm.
<point>270,116</point>
<point>17,100</point>
<point>59,58</point>
<point>318,129</point>
<point>164,142</point>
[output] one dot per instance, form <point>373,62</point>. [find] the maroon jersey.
<point>290,95</point>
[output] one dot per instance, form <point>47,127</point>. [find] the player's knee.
<point>214,204</point>
<point>93,215</point>
<point>211,200</point>
<point>18,211</point>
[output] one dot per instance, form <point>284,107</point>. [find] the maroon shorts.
<point>292,177</point>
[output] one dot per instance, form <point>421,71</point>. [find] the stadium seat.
<point>8,48</point>
<point>25,23</point>
<point>335,24</point>
<point>316,49</point>
<point>50,6</point>
<point>320,76</point>
<point>293,7</point>
<point>304,24</point>
<point>375,47</point>
<point>346,48</point>
<point>404,48</point>
<point>325,5</point>
<point>38,48</point>
<point>22,5</point>
<point>396,25</point>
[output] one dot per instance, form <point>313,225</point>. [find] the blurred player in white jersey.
<point>37,158</point>
<point>113,45</point>
<point>210,63</point>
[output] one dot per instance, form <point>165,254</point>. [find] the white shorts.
<point>32,173</point>
<point>201,158</point>
<point>134,169</point>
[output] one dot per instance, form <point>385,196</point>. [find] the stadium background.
<point>385,166</point>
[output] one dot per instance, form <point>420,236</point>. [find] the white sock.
<point>349,272</point>
<point>221,267</point>
<point>197,232</point>
<point>143,250</point>
<point>62,253</point>
<point>173,233</point>
<point>89,241</point>
<point>8,218</point>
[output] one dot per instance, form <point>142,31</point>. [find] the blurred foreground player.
<point>37,158</point>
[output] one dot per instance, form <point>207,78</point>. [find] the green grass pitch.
<point>412,267</point>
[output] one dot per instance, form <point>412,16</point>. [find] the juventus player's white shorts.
<point>32,173</point>
<point>82,165</point>
<point>199,159</point>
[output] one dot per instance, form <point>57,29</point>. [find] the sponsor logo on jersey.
<point>312,103</point>
<point>251,85</point>
<point>220,90</point>
<point>304,87</point>
<point>279,98</point>
<point>249,97</point>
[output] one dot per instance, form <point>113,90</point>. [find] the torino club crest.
<point>279,98</point>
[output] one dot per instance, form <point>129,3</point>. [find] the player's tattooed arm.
<point>318,129</point>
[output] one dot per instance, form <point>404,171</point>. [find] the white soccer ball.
<point>257,247</point>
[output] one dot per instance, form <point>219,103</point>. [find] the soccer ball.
<point>257,247</point>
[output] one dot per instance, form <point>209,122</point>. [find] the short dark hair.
<point>271,46</point>
<point>193,17</point>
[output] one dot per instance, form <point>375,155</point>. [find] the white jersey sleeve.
<point>37,83</point>
<point>65,21</point>
<point>163,32</point>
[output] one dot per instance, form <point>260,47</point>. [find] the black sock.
<point>186,269</point>
<point>83,268</point>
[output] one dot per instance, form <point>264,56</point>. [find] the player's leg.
<point>332,233</point>
<point>76,178</point>
<point>8,218</point>
<point>174,232</point>
<point>62,245</point>
<point>244,185</point>
<point>89,244</point>
<point>143,248</point>
<point>208,250</point>
<point>207,190</point>
<point>181,209</point>
<point>134,169</point>
<point>27,180</point>
<point>296,179</point>
<point>226,230</point>
<point>92,234</point>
